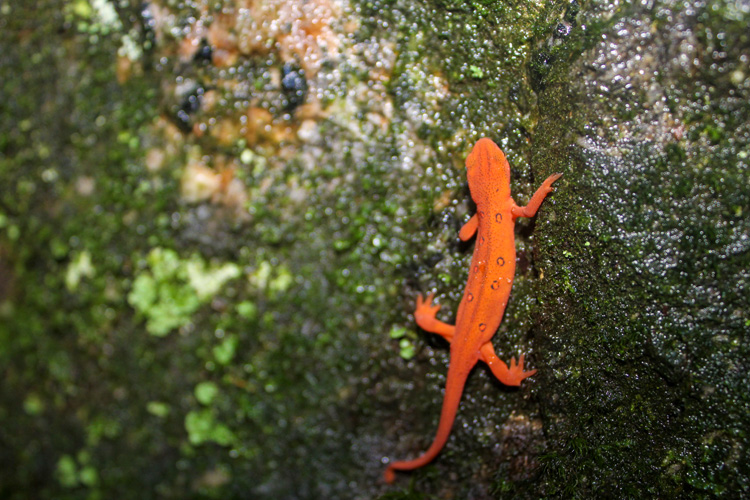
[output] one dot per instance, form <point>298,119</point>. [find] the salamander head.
<point>488,172</point>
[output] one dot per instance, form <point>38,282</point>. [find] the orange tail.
<point>454,387</point>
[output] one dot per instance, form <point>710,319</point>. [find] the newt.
<point>487,289</point>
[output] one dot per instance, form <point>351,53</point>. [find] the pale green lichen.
<point>172,289</point>
<point>275,281</point>
<point>80,267</point>
<point>205,280</point>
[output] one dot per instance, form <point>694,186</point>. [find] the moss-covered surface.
<point>645,327</point>
<point>214,221</point>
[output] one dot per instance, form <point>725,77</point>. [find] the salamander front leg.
<point>469,229</point>
<point>536,200</point>
<point>509,376</point>
<point>425,315</point>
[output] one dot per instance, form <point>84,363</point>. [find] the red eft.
<point>487,290</point>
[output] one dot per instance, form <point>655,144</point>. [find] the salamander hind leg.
<point>389,475</point>
<point>512,375</point>
<point>425,313</point>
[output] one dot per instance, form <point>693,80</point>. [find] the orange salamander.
<point>487,289</point>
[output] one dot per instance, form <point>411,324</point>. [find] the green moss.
<point>158,408</point>
<point>476,72</point>
<point>202,427</point>
<point>225,351</point>
<point>33,405</point>
<point>73,472</point>
<point>67,472</point>
<point>206,392</point>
